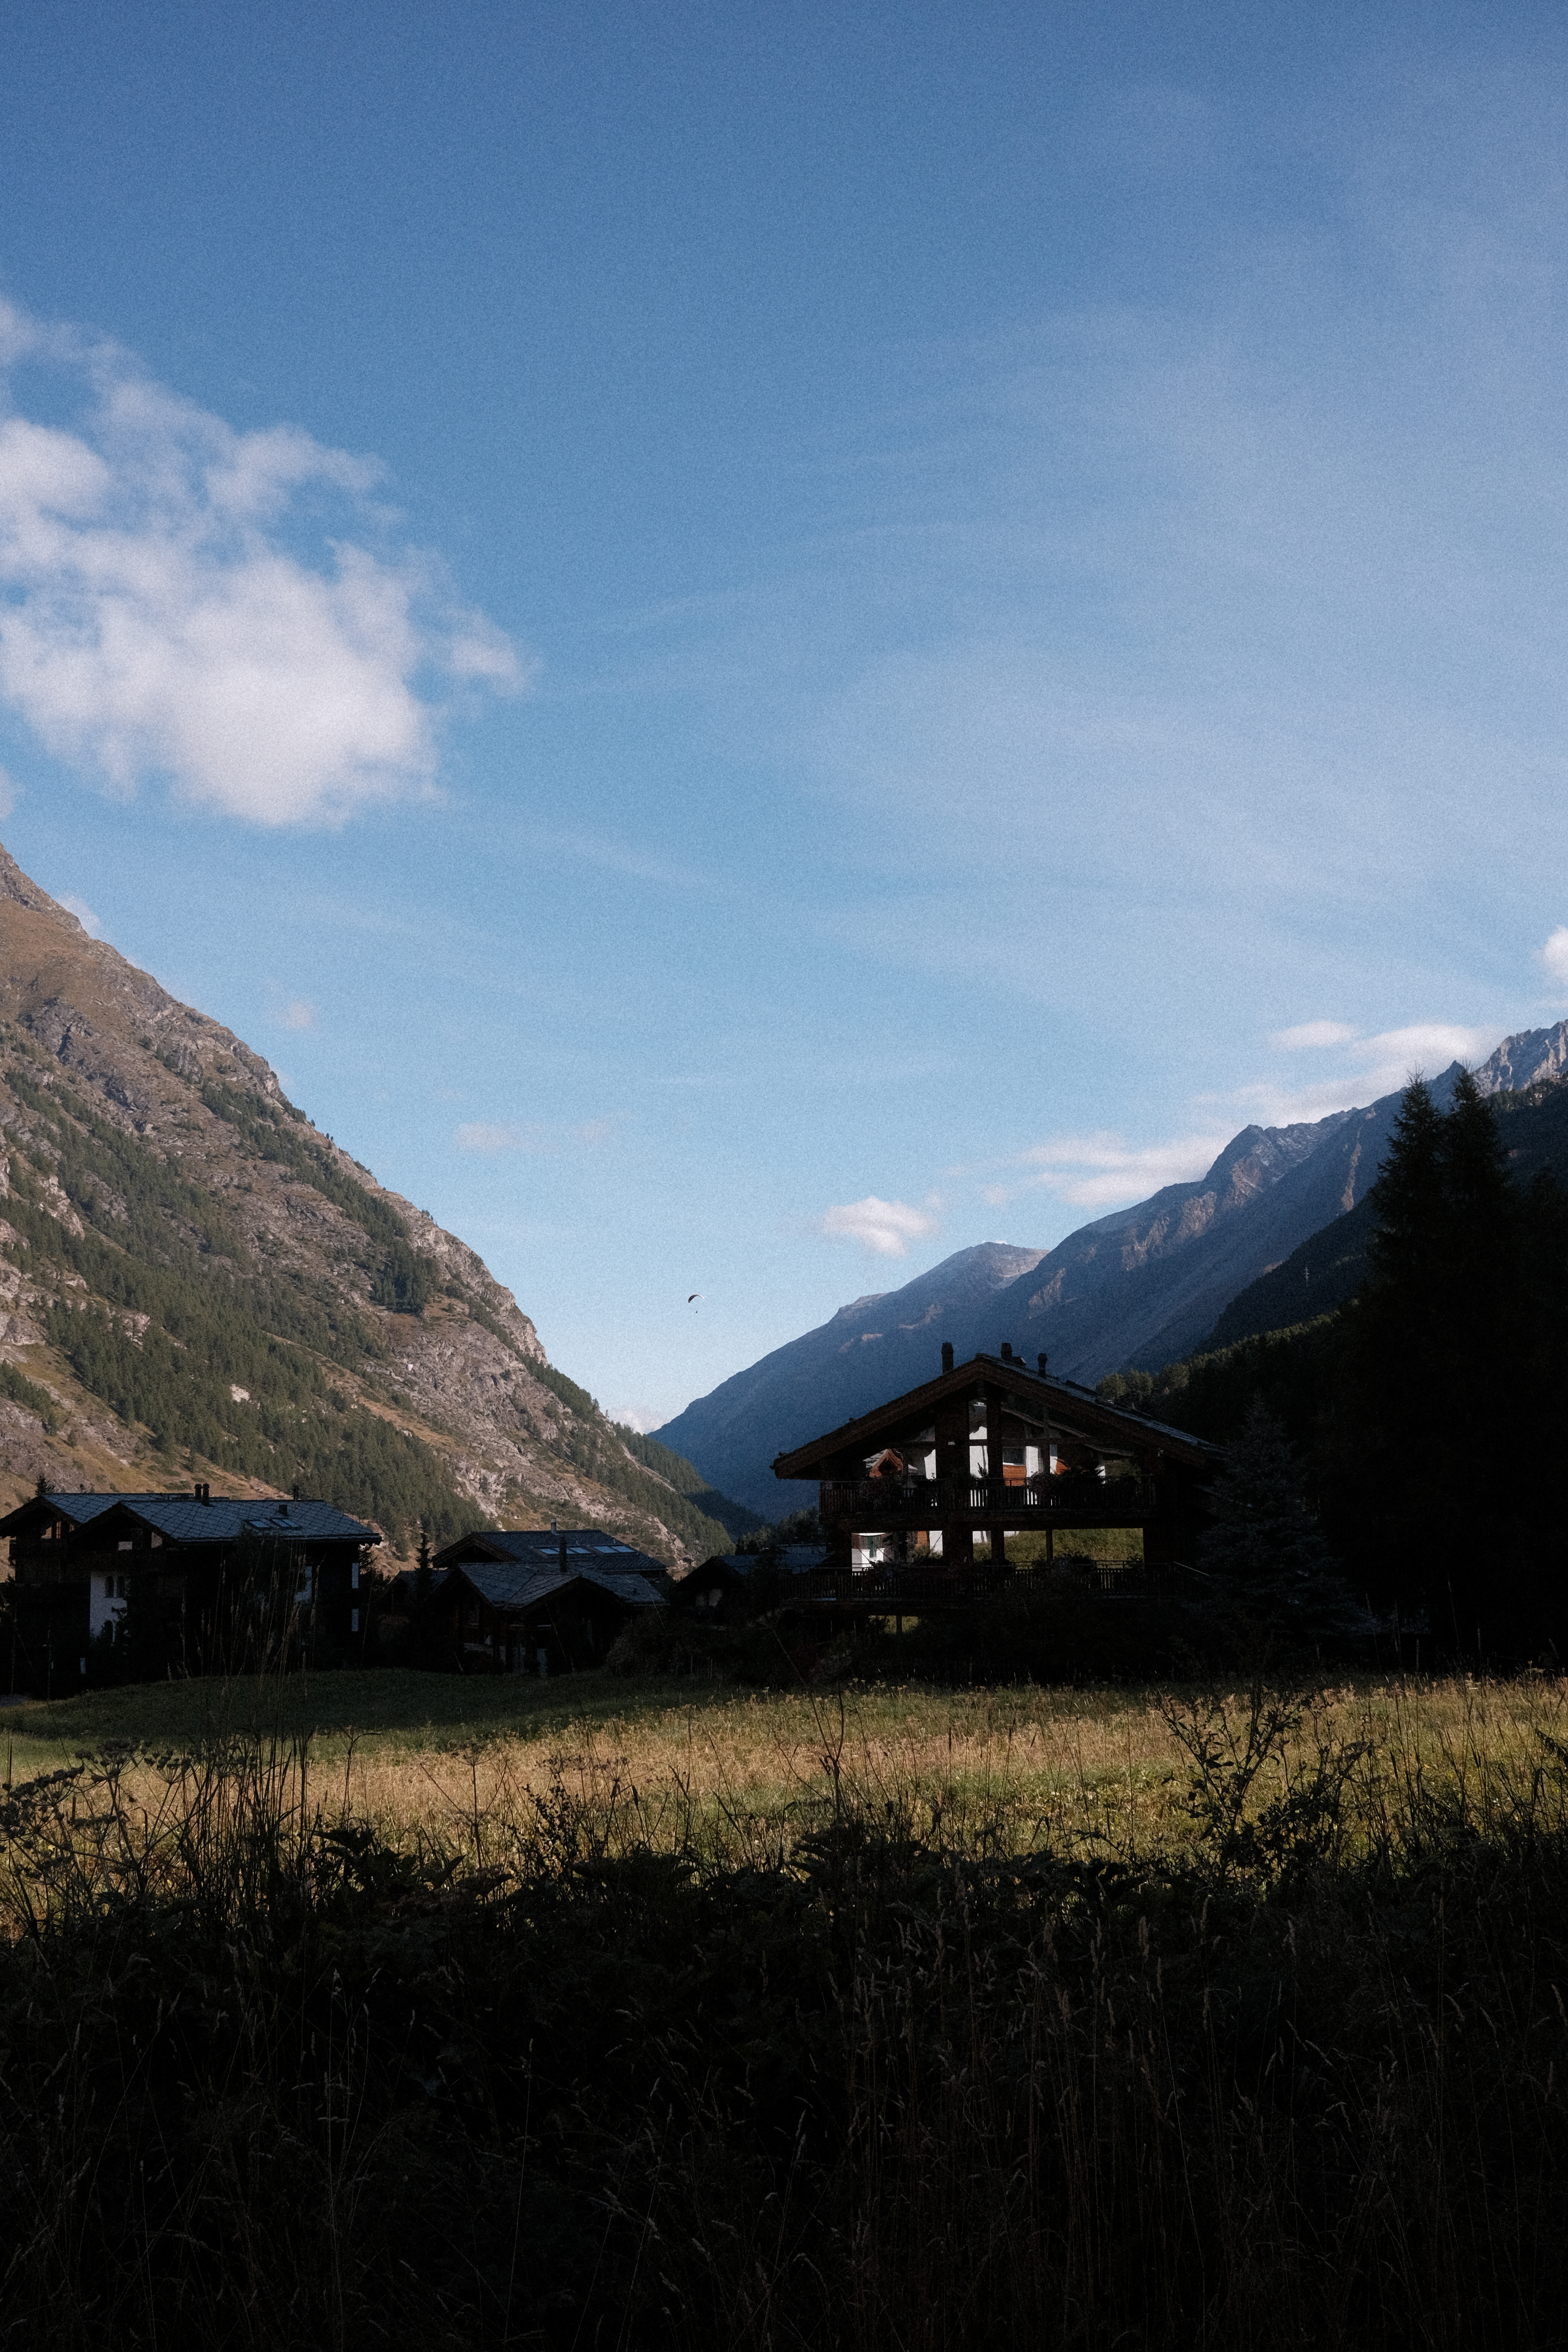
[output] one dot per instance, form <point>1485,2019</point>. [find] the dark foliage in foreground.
<point>264,2082</point>
<point>1429,1409</point>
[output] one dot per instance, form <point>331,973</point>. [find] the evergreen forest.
<point>1426,1409</point>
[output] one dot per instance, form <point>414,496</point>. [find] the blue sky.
<point>755,644</point>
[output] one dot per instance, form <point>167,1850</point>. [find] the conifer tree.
<point>1263,1550</point>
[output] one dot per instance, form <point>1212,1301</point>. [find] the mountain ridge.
<point>194,1281</point>
<point>1141,1286</point>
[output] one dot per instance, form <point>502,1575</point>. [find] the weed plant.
<point>1280,2064</point>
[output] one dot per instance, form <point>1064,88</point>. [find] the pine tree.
<point>1443,1474</point>
<point>1263,1552</point>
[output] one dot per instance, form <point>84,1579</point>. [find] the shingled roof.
<point>188,1519</point>
<point>509,1585</point>
<point>540,1549</point>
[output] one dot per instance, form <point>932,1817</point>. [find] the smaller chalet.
<point>87,1563</point>
<point>993,1449</point>
<point>541,1601</point>
<point>714,1590</point>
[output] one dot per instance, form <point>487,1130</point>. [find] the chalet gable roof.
<point>543,1548</point>
<point>514,1585</point>
<point>186,1520</point>
<point>1072,1410</point>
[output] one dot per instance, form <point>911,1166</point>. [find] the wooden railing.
<point>905,1585</point>
<point>1084,1500</point>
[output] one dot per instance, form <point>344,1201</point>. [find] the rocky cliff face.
<point>195,1282</point>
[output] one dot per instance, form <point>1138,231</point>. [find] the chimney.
<point>1042,1363</point>
<point>1006,1351</point>
<point>947,1355</point>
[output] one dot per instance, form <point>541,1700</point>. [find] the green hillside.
<point>159,1311</point>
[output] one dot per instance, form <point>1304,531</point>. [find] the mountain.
<point>1142,1287</point>
<point>871,1349</point>
<point>1328,1266</point>
<point>196,1284</point>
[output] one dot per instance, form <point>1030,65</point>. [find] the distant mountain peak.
<point>1525,1059</point>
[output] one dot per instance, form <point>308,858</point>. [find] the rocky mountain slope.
<point>196,1283</point>
<point>1142,1287</point>
<point>871,1349</point>
<point>1330,1265</point>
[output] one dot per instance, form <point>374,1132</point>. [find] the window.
<point>353,1621</point>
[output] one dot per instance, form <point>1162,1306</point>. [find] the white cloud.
<point>8,792</point>
<point>1310,1036</point>
<point>886,1228</point>
<point>298,1013</point>
<point>1387,1059</point>
<point>174,607</point>
<point>489,1135</point>
<point>644,1418</point>
<point>1382,1064</point>
<point>83,913</point>
<point>1102,1170</point>
<point>1554,954</point>
<point>532,1135</point>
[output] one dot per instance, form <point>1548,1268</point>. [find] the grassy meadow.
<point>702,1769</point>
<point>370,2008</point>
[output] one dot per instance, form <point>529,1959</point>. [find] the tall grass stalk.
<point>1257,2039</point>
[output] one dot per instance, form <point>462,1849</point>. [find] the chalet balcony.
<point>910,1586</point>
<point>891,1504</point>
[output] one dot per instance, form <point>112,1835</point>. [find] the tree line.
<point>1427,1414</point>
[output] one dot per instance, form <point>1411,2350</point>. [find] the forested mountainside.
<point>1329,1266</point>
<point>196,1283</point>
<point>1426,1413</point>
<point>1143,1285</point>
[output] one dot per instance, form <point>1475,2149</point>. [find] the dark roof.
<point>184,1518</point>
<point>795,1559</point>
<point>1075,1410</point>
<point>541,1547</point>
<point>507,1585</point>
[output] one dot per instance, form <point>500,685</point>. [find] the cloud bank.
<point>1101,1171</point>
<point>488,1135</point>
<point>173,605</point>
<point>1555,955</point>
<point>885,1228</point>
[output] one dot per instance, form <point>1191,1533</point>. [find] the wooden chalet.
<point>89,1566</point>
<point>540,1600</point>
<point>715,1592</point>
<point>990,1450</point>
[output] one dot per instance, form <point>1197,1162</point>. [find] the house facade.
<point>163,1573</point>
<point>540,1600</point>
<point>993,1449</point>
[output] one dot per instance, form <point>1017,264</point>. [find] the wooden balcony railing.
<point>1071,1500</point>
<point>905,1585</point>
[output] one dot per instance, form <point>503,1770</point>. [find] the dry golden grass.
<point>994,1771</point>
<point>989,1771</point>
